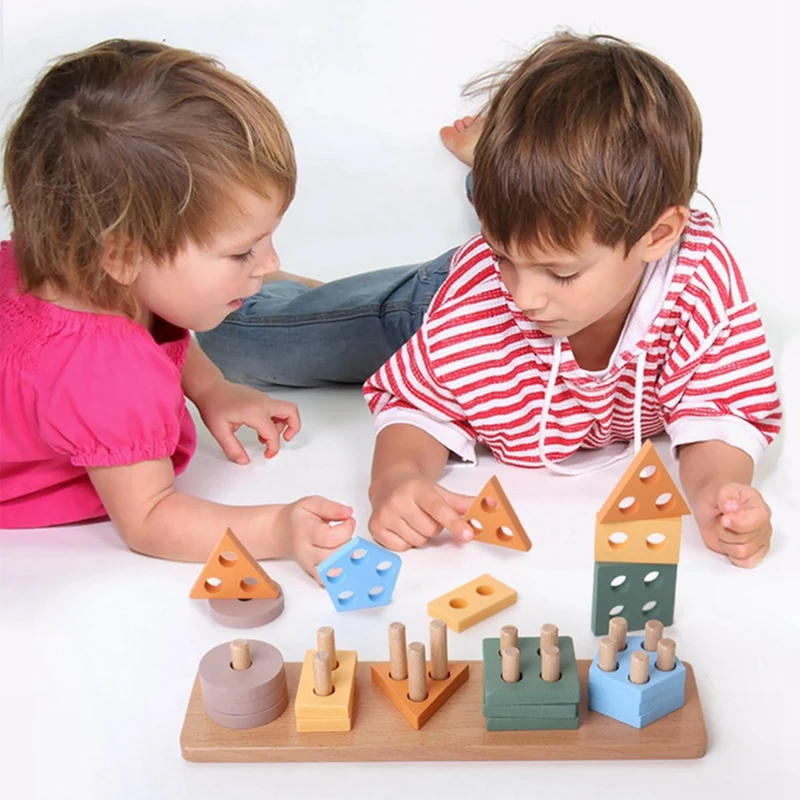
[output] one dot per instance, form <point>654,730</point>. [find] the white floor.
<point>101,645</point>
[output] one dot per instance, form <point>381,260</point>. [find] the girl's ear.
<point>120,261</point>
<point>667,230</point>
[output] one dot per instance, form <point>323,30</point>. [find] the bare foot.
<point>280,275</point>
<point>461,137</point>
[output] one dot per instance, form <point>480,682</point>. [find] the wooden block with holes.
<point>232,573</point>
<point>649,541</point>
<point>472,603</point>
<point>494,521</point>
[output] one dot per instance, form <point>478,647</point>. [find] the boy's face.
<point>204,284</point>
<point>564,292</point>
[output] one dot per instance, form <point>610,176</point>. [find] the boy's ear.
<point>120,261</point>
<point>667,230</point>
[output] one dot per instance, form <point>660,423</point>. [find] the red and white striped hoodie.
<point>692,360</point>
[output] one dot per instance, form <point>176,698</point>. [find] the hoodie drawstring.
<point>637,418</point>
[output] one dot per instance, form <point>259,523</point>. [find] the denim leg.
<point>340,332</point>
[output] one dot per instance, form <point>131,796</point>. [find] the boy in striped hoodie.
<point>595,307</point>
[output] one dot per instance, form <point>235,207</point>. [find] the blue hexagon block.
<point>613,694</point>
<point>359,575</point>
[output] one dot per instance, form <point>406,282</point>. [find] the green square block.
<point>530,690</point>
<point>514,724</point>
<point>632,594</point>
<point>557,711</point>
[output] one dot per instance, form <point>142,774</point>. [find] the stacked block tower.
<point>637,545</point>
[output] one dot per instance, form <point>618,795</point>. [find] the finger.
<point>421,523</point>
<point>388,539</point>
<point>751,561</point>
<point>745,519</point>
<point>290,418</point>
<point>731,497</point>
<point>409,533</point>
<point>332,537</point>
<point>329,510</point>
<point>436,506</point>
<point>461,503</point>
<point>742,552</point>
<point>267,434</point>
<point>231,446</point>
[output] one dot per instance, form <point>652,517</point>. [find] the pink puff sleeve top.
<point>80,390</point>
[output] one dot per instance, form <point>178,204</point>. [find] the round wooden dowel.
<point>549,636</point>
<point>665,660</point>
<point>551,663</point>
<point>509,636</point>
<point>653,631</point>
<point>417,683</point>
<point>640,667</point>
<point>439,668</point>
<point>608,654</point>
<point>240,654</point>
<point>397,651</point>
<point>510,659</point>
<point>323,683</point>
<point>326,643</point>
<point>618,631</point>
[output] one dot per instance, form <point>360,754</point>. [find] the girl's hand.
<point>735,520</point>
<point>225,407</point>
<point>306,523</point>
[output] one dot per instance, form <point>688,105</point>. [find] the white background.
<point>100,646</point>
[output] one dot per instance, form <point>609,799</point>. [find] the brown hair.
<point>141,141</point>
<point>584,135</point>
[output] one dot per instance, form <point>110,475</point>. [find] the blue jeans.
<point>340,332</point>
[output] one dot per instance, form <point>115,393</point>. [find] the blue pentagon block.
<point>360,574</point>
<point>613,694</point>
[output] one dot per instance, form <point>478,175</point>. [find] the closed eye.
<point>243,256</point>
<point>563,279</point>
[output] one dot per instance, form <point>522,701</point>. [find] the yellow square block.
<point>336,706</point>
<point>649,541</point>
<point>324,725</point>
<point>472,603</point>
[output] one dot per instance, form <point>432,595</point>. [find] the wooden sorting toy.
<point>360,575</point>
<point>326,693</point>
<point>419,688</point>
<point>243,684</point>
<point>494,521</point>
<point>472,603</point>
<point>532,685</point>
<point>637,546</point>
<point>640,682</point>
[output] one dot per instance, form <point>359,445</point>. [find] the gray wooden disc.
<point>241,721</point>
<point>212,699</point>
<point>263,676</point>
<point>246,613</point>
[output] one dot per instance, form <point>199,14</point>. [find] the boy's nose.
<point>270,263</point>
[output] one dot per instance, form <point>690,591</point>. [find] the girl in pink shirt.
<point>145,184</point>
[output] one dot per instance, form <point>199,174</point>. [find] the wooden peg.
<point>653,631</point>
<point>509,636</point>
<point>665,660</point>
<point>417,683</point>
<point>439,668</point>
<point>608,654</point>
<point>326,643</point>
<point>549,636</point>
<point>323,684</point>
<point>618,631</point>
<point>398,670</point>
<point>551,663</point>
<point>640,667</point>
<point>240,654</point>
<point>510,661</point>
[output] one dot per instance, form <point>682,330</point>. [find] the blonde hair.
<point>585,134</point>
<point>141,142</point>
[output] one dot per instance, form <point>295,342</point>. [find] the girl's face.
<point>202,285</point>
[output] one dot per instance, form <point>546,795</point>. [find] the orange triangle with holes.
<point>231,573</point>
<point>499,525</point>
<point>646,481</point>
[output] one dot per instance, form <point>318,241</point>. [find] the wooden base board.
<point>456,733</point>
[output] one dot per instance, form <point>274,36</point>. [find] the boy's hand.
<point>226,406</point>
<point>409,510</point>
<point>735,520</point>
<point>306,523</point>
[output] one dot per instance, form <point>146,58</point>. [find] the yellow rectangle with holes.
<point>336,706</point>
<point>649,541</point>
<point>472,603</point>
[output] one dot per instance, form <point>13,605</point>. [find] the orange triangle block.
<point>646,491</point>
<point>439,692</point>
<point>231,573</point>
<point>496,524</point>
